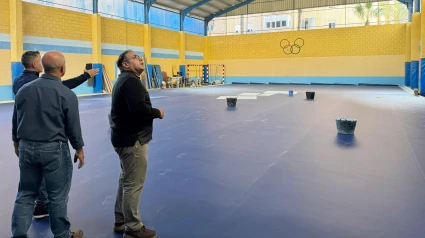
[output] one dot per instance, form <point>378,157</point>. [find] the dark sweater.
<point>47,111</point>
<point>132,113</point>
<point>29,76</point>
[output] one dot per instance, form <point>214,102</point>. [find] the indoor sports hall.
<point>283,118</point>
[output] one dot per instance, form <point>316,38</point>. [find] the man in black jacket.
<point>132,118</point>
<point>32,64</point>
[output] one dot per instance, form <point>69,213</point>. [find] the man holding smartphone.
<point>132,118</point>
<point>31,60</point>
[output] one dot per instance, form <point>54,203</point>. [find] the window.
<point>250,28</point>
<point>332,24</point>
<point>276,22</point>
<point>308,23</point>
<point>237,28</point>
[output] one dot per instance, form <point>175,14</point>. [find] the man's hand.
<point>16,145</point>
<point>92,72</point>
<point>79,155</point>
<point>161,112</point>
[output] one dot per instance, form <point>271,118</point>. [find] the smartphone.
<point>89,66</point>
<point>90,81</point>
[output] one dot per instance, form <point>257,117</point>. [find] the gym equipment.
<point>196,80</point>
<point>216,73</point>
<point>346,125</point>
<point>205,69</point>
<point>107,83</point>
<point>156,80</point>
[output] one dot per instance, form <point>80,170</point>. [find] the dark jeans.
<point>42,199</point>
<point>51,161</point>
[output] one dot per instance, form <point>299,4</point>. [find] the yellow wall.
<point>355,41</point>
<point>45,22</point>
<point>75,64</point>
<point>194,43</point>
<point>377,52</point>
<point>165,39</point>
<point>38,20</point>
<point>408,43</point>
<point>5,60</point>
<point>416,35</point>
<point>122,33</point>
<point>4,16</point>
<point>391,65</point>
<point>109,63</point>
<point>5,68</point>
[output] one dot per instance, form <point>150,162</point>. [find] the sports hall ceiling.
<point>208,9</point>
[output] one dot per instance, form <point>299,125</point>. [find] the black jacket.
<point>132,113</point>
<point>47,111</point>
<point>29,76</point>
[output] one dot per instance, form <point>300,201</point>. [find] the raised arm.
<point>77,81</point>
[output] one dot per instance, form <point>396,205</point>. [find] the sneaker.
<point>77,234</point>
<point>141,233</point>
<point>41,212</point>
<point>118,227</point>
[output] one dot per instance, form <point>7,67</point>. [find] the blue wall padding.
<point>98,79</point>
<point>422,78</point>
<point>407,74</point>
<point>17,69</point>
<point>414,74</point>
<point>183,70</point>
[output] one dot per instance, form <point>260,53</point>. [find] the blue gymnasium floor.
<point>274,167</point>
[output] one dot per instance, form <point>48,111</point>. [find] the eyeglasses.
<point>134,57</point>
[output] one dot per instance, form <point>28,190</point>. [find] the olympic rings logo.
<point>295,49</point>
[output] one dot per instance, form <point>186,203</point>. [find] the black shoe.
<point>41,212</point>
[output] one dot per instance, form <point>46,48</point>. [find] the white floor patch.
<point>238,97</point>
<point>249,94</point>
<point>255,95</point>
<point>278,92</point>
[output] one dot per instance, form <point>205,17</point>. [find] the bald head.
<point>53,63</point>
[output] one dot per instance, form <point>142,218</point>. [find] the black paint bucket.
<point>310,95</point>
<point>231,102</point>
<point>346,125</point>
